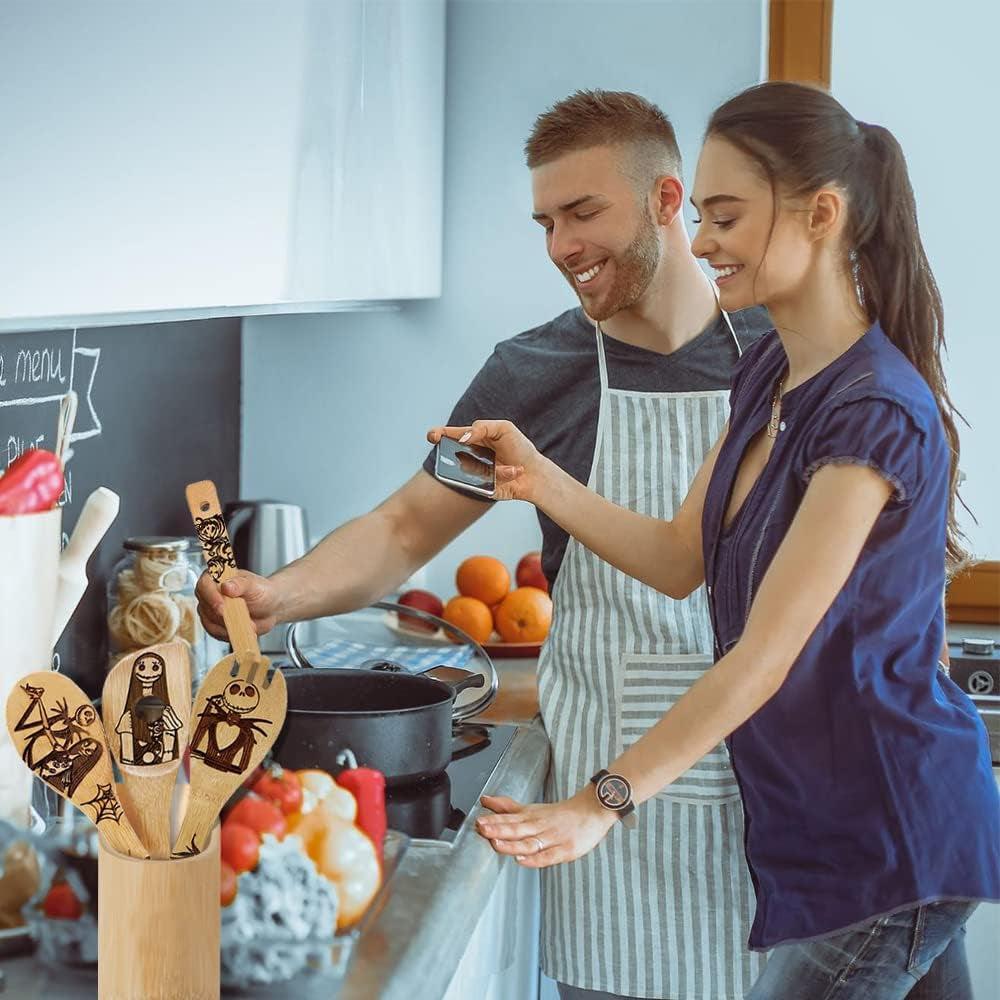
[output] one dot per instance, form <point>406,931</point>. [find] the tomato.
<point>227,891</point>
<point>281,787</point>
<point>240,846</point>
<point>61,903</point>
<point>263,817</point>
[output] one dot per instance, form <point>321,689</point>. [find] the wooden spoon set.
<point>148,720</point>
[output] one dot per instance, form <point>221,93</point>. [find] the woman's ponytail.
<point>896,285</point>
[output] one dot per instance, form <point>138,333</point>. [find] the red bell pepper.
<point>32,483</point>
<point>368,787</point>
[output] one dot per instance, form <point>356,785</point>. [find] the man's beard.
<point>634,270</point>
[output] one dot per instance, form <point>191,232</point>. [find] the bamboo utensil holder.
<point>158,926</point>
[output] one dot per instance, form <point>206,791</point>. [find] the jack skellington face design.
<point>241,697</point>
<point>51,729</point>
<point>226,729</point>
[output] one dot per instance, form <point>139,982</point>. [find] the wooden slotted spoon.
<point>60,738</point>
<point>146,707</point>
<point>240,707</point>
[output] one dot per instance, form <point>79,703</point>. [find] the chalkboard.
<point>159,407</point>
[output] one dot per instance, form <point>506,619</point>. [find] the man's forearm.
<point>359,563</point>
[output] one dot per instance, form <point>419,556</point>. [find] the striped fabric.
<point>662,911</point>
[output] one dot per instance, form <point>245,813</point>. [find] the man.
<point>631,406</point>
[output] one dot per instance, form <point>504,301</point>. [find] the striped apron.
<point>664,910</point>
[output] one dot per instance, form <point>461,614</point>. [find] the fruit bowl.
<point>495,646</point>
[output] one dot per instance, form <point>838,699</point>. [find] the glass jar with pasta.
<point>151,598</point>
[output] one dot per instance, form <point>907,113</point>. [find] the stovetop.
<point>435,810</point>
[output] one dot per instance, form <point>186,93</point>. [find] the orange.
<point>470,615</point>
<point>484,578</point>
<point>525,615</point>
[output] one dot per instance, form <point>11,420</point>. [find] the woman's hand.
<point>545,834</point>
<point>519,467</point>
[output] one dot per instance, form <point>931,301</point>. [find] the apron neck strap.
<point>601,359</point>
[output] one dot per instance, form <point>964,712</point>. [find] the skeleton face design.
<point>148,668</point>
<point>86,715</point>
<point>240,697</point>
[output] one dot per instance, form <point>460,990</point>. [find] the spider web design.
<point>106,805</point>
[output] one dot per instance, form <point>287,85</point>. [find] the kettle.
<point>267,535</point>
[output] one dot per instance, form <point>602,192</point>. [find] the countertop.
<point>426,923</point>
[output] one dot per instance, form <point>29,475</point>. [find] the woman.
<point>821,521</point>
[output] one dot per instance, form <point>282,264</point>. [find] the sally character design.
<point>65,769</point>
<point>147,730</point>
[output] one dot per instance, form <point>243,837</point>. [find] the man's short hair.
<point>592,118</point>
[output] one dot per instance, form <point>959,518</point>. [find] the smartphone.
<point>468,466</point>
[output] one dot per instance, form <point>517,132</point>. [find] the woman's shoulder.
<point>880,371</point>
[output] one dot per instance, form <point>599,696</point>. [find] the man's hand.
<point>546,834</point>
<point>260,594</point>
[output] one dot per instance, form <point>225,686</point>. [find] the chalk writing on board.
<point>34,379</point>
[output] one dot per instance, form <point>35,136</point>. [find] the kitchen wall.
<point>336,406</point>
<point>926,72</point>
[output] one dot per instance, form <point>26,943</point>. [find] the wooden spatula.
<point>60,738</point>
<point>240,707</point>
<point>146,707</point>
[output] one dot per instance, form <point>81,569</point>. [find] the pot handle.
<point>480,704</point>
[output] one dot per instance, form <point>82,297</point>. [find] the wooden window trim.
<point>974,596</point>
<point>799,40</point>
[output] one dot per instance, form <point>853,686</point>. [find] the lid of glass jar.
<point>140,542</point>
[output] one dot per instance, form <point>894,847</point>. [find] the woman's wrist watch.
<point>615,793</point>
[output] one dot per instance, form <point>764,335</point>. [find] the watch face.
<point>613,791</point>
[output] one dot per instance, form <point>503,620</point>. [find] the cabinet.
<point>212,157</point>
<point>501,960</point>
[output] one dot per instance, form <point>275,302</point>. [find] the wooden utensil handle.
<point>203,502</point>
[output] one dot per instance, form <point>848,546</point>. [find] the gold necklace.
<point>774,424</point>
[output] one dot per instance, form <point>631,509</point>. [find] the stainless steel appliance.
<point>267,535</point>
<point>975,668</point>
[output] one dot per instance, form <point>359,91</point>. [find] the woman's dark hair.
<point>803,140</point>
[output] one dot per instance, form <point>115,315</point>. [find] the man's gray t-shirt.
<point>547,382</point>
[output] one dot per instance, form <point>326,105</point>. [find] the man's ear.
<point>668,199</point>
<point>826,213</point>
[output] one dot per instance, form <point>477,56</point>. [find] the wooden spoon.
<point>60,738</point>
<point>240,707</point>
<point>146,708</point>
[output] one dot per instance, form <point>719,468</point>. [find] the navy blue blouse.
<point>866,779</point>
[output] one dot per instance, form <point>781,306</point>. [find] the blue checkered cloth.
<point>343,653</point>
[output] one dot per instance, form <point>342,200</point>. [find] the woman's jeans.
<point>917,953</point>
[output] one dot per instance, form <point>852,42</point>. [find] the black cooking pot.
<point>394,721</point>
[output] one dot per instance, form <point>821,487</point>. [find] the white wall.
<point>927,71</point>
<point>336,406</point>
